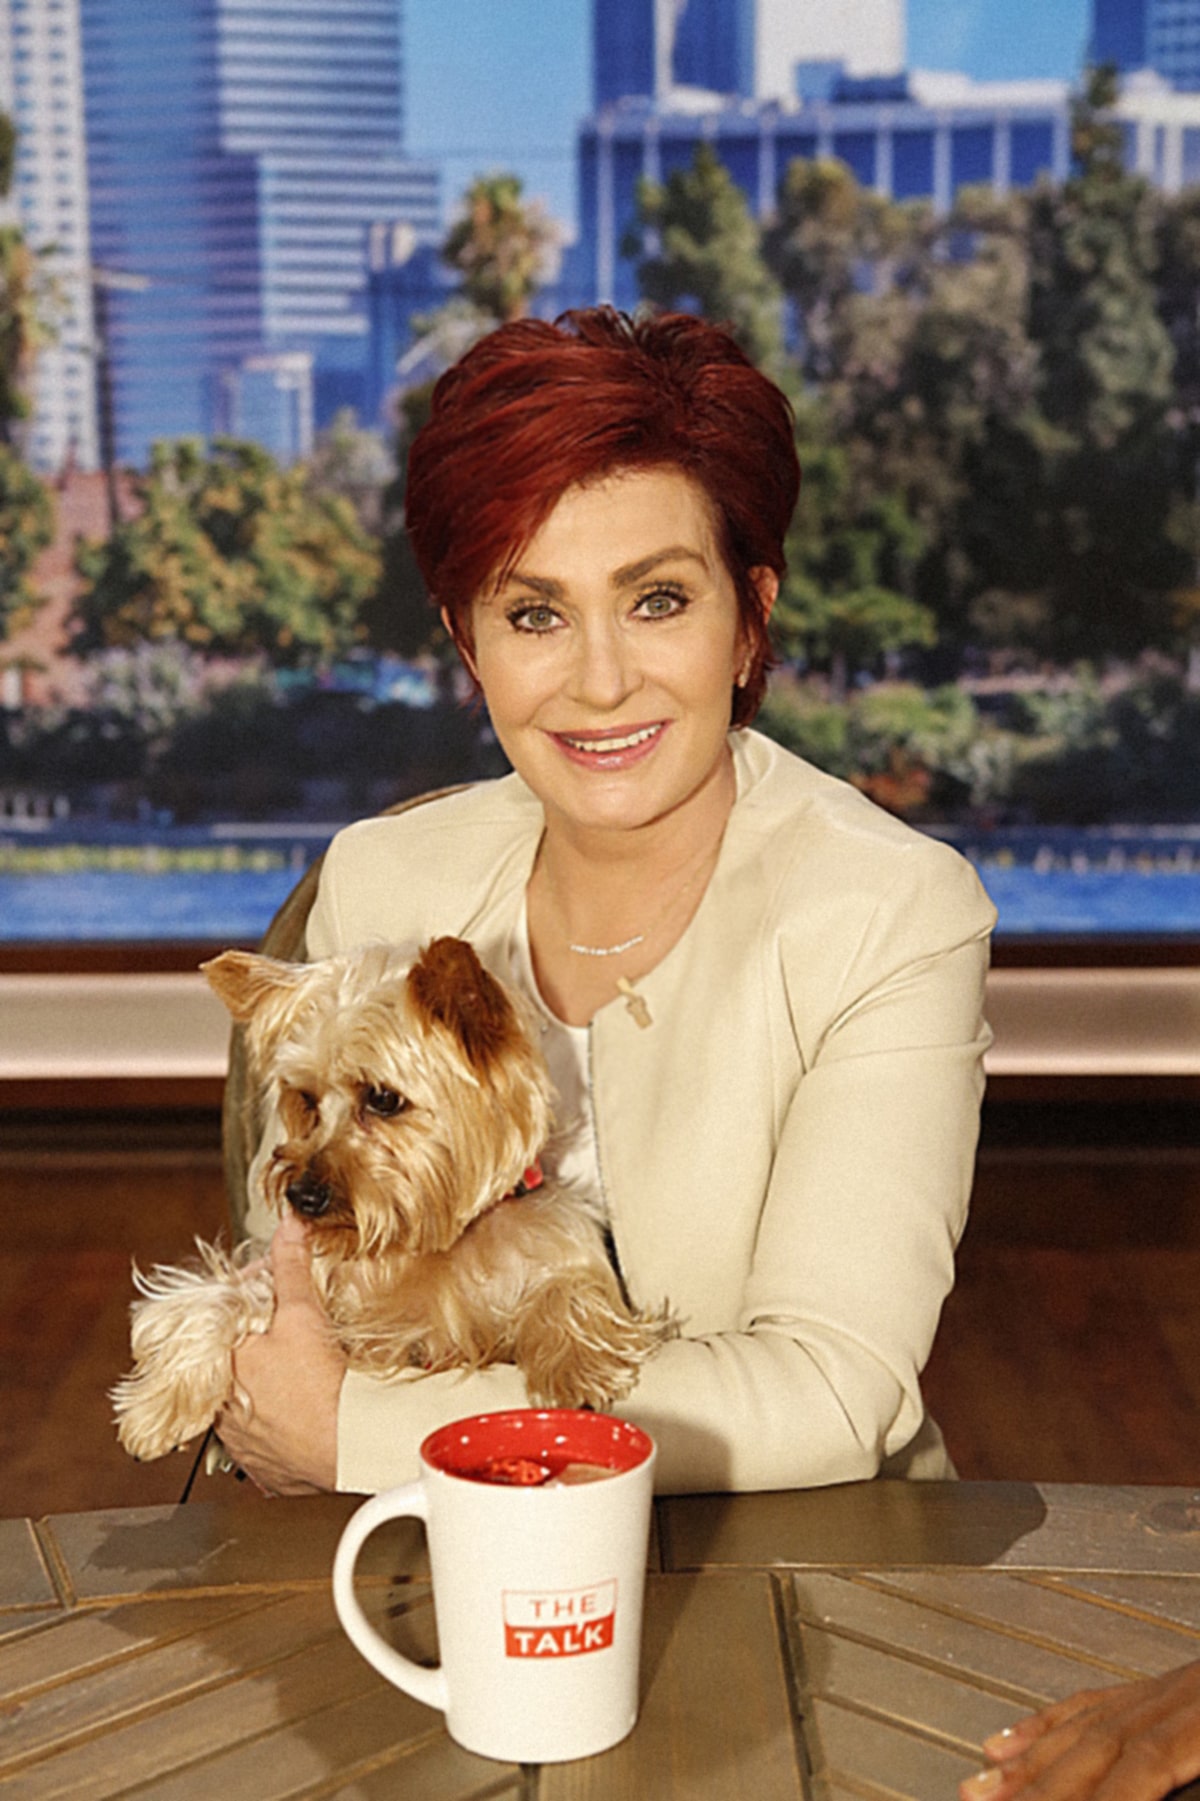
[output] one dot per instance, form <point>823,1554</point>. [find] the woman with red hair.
<point>760,996</point>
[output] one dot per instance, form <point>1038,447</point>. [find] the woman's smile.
<point>617,748</point>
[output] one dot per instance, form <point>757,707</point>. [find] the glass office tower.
<point>41,91</point>
<point>238,150</point>
<point>643,48</point>
<point>1119,33</point>
<point>1163,35</point>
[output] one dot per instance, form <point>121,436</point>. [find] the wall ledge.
<point>169,1027</point>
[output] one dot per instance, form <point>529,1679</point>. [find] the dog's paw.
<point>153,1418</point>
<point>183,1332</point>
<point>576,1349</point>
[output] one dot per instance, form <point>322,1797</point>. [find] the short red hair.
<point>534,409</point>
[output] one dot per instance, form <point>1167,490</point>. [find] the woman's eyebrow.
<point>541,584</point>
<point>620,578</point>
<point>633,572</point>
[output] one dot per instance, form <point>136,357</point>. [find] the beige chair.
<point>241,1121</point>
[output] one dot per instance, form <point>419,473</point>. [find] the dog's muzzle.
<point>309,1195</point>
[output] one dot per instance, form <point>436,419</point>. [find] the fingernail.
<point>976,1788</point>
<point>1005,1743</point>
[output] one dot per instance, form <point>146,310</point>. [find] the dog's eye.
<point>308,1101</point>
<point>385,1103</point>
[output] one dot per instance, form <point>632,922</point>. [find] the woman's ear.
<point>460,643</point>
<point>766,586</point>
<point>765,583</point>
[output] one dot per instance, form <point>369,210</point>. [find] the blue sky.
<point>501,83</point>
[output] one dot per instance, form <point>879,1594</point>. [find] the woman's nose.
<point>604,669</point>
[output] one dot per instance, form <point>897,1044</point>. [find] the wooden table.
<point>843,1642</point>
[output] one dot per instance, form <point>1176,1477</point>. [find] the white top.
<point>571,1155</point>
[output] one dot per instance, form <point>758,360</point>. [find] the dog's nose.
<point>309,1195</point>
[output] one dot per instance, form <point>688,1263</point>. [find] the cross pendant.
<point>634,1002</point>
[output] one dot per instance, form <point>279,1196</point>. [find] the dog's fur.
<point>412,1101</point>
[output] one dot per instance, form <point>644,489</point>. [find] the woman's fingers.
<point>1016,1739</point>
<point>1136,1741</point>
<point>290,1257</point>
<point>285,1437</point>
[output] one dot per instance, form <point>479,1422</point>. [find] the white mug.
<point>537,1589</point>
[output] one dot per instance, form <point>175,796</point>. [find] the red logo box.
<point>568,1622</point>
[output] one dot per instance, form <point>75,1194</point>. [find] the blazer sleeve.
<point>818,1379</point>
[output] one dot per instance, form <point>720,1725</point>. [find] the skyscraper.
<point>1119,33</point>
<point>40,90</point>
<point>238,150</point>
<point>1163,35</point>
<point>714,46</point>
<point>643,48</point>
<point>631,47</point>
<point>865,36</point>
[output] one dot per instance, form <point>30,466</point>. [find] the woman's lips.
<point>616,748</point>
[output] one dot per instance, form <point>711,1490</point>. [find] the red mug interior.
<point>551,1438</point>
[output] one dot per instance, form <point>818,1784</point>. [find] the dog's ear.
<point>449,986</point>
<point>244,980</point>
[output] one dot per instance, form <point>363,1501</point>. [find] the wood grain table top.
<point>813,1646</point>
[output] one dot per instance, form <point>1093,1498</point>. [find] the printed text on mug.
<point>561,1623</point>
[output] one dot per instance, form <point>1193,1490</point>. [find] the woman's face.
<point>608,656</point>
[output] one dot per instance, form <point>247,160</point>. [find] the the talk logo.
<point>562,1623</point>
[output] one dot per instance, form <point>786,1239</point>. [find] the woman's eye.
<point>661,604</point>
<point>533,619</point>
<point>385,1103</point>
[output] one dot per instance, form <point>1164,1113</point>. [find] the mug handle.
<point>427,1685</point>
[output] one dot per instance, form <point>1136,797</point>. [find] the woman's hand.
<point>286,1439</point>
<point>1138,1741</point>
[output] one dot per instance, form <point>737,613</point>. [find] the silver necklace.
<point>628,944</point>
<point>607,950</point>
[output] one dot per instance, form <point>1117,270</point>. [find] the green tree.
<point>26,511</point>
<point>399,616</point>
<point>503,247</point>
<point>26,527</point>
<point>846,604</point>
<point>22,327</point>
<point>940,399</point>
<point>1105,391</point>
<point>354,465</point>
<point>1178,287</point>
<point>231,556</point>
<point>700,251</point>
<point>832,241</point>
<point>1107,360</point>
<point>913,330</point>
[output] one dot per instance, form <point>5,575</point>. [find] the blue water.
<point>221,907</point>
<point>1093,902</point>
<point>98,906</point>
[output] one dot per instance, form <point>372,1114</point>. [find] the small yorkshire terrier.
<point>413,1107</point>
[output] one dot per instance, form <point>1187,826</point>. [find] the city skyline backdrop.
<point>503,84</point>
<point>243,199</point>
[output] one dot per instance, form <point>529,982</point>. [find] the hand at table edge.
<point>1133,1741</point>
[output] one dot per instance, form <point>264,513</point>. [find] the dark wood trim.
<point>1095,1091</point>
<point>1095,953</point>
<point>96,1094</point>
<point>68,1134</point>
<point>132,958</point>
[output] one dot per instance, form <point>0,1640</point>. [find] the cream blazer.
<point>786,1150</point>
